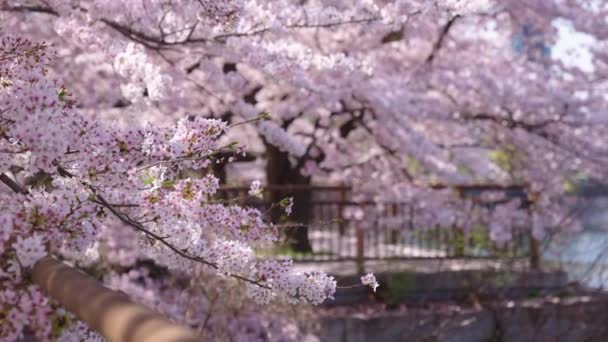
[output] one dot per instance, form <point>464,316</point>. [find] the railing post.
<point>242,196</point>
<point>110,313</point>
<point>459,242</point>
<point>393,231</point>
<point>459,238</point>
<point>360,249</point>
<point>534,253</point>
<point>341,223</point>
<point>534,243</point>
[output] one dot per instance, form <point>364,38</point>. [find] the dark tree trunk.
<point>279,171</point>
<point>219,171</point>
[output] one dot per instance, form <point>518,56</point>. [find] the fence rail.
<point>339,228</point>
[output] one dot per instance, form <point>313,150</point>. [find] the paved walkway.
<point>347,268</point>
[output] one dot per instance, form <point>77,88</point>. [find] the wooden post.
<point>393,232</point>
<point>342,200</point>
<point>534,243</point>
<point>242,196</point>
<point>110,313</point>
<point>534,253</point>
<point>360,249</point>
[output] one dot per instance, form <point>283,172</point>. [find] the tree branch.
<point>442,35</point>
<point>138,226</point>
<point>16,187</point>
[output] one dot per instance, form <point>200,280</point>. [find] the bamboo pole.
<point>111,313</point>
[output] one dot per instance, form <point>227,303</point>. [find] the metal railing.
<point>336,233</point>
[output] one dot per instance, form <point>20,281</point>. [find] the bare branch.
<point>16,187</point>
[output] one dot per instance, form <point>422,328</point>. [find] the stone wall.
<point>400,287</point>
<point>568,320</point>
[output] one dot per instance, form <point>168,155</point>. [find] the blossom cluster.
<point>143,77</point>
<point>96,191</point>
<point>231,311</point>
<point>370,280</point>
<point>313,287</point>
<point>277,136</point>
<point>256,190</point>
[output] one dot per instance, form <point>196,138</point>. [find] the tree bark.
<point>279,171</point>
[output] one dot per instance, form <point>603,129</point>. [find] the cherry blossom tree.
<point>380,88</point>
<point>402,99</point>
<point>114,196</point>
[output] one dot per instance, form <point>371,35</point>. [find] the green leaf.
<point>168,184</point>
<point>465,171</point>
<point>62,93</point>
<point>147,180</point>
<point>414,167</point>
<point>569,187</point>
<point>502,158</point>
